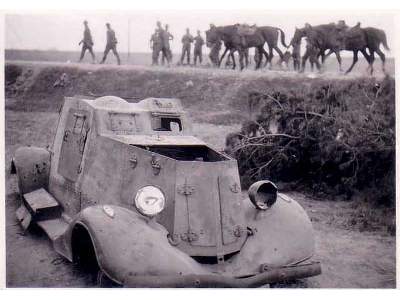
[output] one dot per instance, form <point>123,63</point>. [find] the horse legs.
<point>370,59</point>
<point>339,59</point>
<point>383,58</point>
<point>232,55</point>
<point>241,57</point>
<point>355,59</point>
<point>222,57</point>
<point>262,52</point>
<point>271,55</point>
<point>280,54</point>
<point>303,61</point>
<point>323,58</point>
<point>314,60</point>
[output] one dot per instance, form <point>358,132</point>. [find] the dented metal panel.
<point>205,219</point>
<point>232,222</point>
<point>73,144</point>
<point>23,216</point>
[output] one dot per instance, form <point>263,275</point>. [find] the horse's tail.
<point>283,38</point>
<point>384,40</point>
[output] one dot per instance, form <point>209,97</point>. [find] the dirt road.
<point>349,257</point>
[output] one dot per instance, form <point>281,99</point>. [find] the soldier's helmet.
<point>341,23</point>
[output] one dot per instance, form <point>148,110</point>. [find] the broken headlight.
<point>263,194</point>
<point>150,200</point>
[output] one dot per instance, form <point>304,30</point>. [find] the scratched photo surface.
<point>200,148</point>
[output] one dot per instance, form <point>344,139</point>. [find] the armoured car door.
<point>73,144</point>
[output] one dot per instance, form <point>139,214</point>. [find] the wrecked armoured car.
<point>154,206</point>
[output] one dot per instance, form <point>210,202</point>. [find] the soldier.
<point>214,52</point>
<point>167,36</point>
<point>341,28</point>
<point>111,44</point>
<point>198,45</point>
<point>155,45</point>
<point>163,37</point>
<point>187,40</point>
<point>214,49</point>
<point>87,42</point>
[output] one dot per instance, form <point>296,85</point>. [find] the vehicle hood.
<point>157,140</point>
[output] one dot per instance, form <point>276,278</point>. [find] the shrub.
<point>331,138</point>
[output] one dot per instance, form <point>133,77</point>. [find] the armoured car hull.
<point>158,207</point>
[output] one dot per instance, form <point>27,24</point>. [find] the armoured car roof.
<point>160,105</point>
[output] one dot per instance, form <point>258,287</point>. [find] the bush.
<point>330,137</point>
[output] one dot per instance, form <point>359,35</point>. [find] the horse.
<point>271,35</point>
<point>376,37</point>
<point>213,37</point>
<point>237,42</point>
<point>324,37</point>
<point>359,39</point>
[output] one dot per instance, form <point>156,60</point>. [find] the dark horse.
<point>235,42</point>
<point>323,37</point>
<point>358,39</point>
<point>355,39</point>
<point>271,35</point>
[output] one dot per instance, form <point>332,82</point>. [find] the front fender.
<point>129,244</point>
<point>283,236</point>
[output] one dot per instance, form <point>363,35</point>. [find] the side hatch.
<point>73,144</point>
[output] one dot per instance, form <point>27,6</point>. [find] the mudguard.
<point>32,166</point>
<point>129,244</point>
<point>281,236</point>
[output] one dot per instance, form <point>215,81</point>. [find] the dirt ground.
<point>350,258</point>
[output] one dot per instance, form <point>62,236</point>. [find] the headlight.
<point>150,200</point>
<point>263,194</point>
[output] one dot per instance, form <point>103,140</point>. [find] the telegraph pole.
<point>129,40</point>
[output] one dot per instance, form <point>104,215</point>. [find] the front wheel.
<point>103,281</point>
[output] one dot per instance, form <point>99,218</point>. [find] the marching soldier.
<point>214,52</point>
<point>87,42</point>
<point>111,44</point>
<point>167,36</point>
<point>155,45</point>
<point>187,41</point>
<point>215,49</point>
<point>198,45</point>
<point>163,37</point>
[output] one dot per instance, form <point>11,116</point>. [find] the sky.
<point>63,31</point>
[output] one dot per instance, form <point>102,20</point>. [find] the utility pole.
<point>129,40</point>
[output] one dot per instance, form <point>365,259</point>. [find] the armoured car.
<point>127,186</point>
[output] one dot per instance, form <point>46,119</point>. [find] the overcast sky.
<point>64,31</point>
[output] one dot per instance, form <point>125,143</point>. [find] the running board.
<point>38,206</point>
<point>54,228</point>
